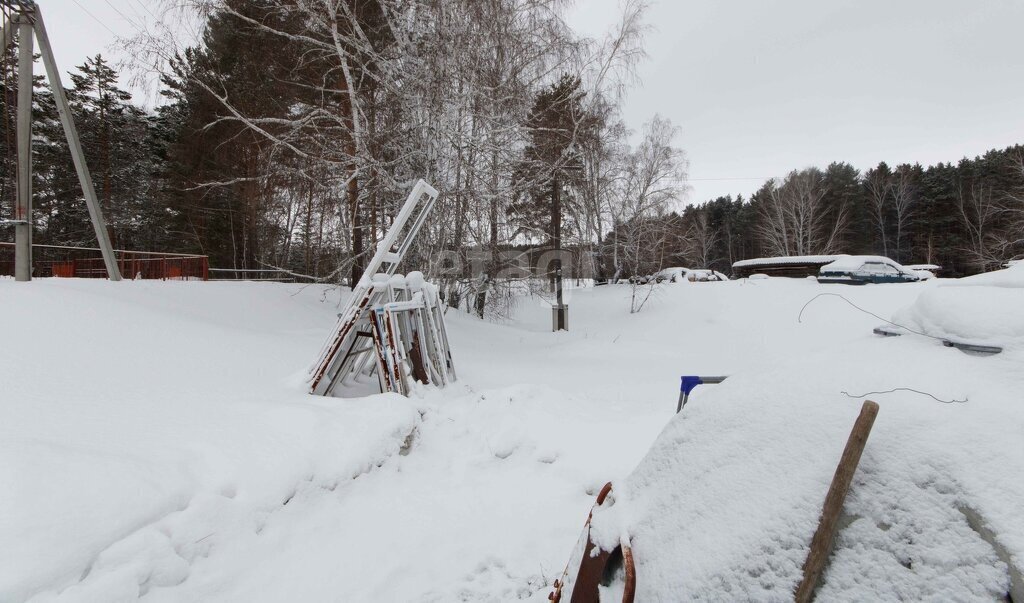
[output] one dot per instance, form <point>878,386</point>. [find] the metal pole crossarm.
<point>19,5</point>
<point>74,143</point>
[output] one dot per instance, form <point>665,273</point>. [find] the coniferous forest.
<point>288,138</point>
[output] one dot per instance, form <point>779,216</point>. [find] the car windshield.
<point>878,268</point>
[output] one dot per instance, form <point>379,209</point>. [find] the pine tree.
<point>552,164</point>
<point>551,169</point>
<point>114,135</point>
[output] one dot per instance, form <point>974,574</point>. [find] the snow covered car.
<point>672,275</point>
<point>925,271</point>
<point>863,269</point>
<point>679,274</point>
<point>705,276</point>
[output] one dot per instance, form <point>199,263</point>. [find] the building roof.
<point>789,259</point>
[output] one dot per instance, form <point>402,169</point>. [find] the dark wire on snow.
<point>904,389</point>
<point>800,316</point>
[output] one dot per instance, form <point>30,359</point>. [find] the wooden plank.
<point>821,544</point>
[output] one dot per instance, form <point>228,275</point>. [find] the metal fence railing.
<point>275,275</point>
<point>86,262</point>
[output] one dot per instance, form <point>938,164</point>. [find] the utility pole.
<point>77,155</point>
<point>23,211</point>
<point>560,313</point>
<point>29,20</point>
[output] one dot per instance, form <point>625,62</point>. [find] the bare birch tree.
<point>794,219</point>
<point>1013,214</point>
<point>652,182</point>
<point>701,239</point>
<point>879,187</point>
<point>904,198</point>
<point>978,213</point>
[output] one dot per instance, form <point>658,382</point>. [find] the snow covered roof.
<point>790,259</point>
<point>849,263</point>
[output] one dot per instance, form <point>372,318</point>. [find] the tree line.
<point>292,132</point>
<point>289,135</point>
<point>125,148</point>
<point>967,217</point>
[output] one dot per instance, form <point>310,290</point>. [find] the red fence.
<point>86,262</point>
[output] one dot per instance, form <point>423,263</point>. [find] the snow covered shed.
<point>794,266</point>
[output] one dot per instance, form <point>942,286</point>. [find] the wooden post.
<point>821,544</point>
<point>75,144</point>
<point>23,212</point>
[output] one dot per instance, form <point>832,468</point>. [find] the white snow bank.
<point>145,423</point>
<point>504,465</point>
<point>726,501</point>
<point>986,308</point>
<point>476,511</point>
<point>1012,277</point>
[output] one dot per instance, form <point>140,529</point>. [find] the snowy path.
<point>485,505</point>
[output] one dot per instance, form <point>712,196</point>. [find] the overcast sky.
<point>81,28</point>
<point>761,87</point>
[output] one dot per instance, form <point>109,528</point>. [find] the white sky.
<point>760,87</point>
<point>82,28</point>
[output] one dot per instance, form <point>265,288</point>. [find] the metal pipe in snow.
<point>688,382</point>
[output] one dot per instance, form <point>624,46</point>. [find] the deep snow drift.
<point>727,499</point>
<point>159,443</point>
<point>156,419</point>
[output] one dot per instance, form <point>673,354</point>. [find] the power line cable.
<point>800,316</point>
<point>86,11</point>
<point>146,8</point>
<point>136,15</point>
<point>123,16</point>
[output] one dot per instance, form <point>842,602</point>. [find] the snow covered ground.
<point>156,441</point>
